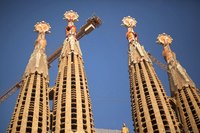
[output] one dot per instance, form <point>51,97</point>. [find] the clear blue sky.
<point>104,50</point>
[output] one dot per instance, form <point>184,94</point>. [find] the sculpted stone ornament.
<point>164,39</point>
<point>129,22</point>
<point>42,27</point>
<point>71,16</point>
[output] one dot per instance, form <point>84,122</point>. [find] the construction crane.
<point>92,23</point>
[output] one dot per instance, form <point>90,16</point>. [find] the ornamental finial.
<point>164,39</point>
<point>42,27</point>
<point>71,16</point>
<point>124,129</point>
<point>129,22</point>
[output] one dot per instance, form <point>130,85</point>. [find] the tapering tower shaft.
<point>31,113</point>
<point>151,110</point>
<point>72,106</point>
<point>182,88</point>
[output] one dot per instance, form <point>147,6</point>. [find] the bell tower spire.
<point>183,89</point>
<point>72,111</point>
<point>31,113</point>
<point>151,110</point>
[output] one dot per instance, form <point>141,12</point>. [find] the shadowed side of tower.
<point>31,113</point>
<point>72,110</point>
<point>183,89</point>
<point>151,110</point>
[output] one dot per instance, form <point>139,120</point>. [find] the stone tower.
<point>31,113</point>
<point>72,106</point>
<point>183,90</point>
<point>151,110</point>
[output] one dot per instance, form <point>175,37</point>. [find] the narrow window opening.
<point>72,57</point>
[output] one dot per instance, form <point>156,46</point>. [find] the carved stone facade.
<point>151,110</point>
<point>183,89</point>
<point>31,113</point>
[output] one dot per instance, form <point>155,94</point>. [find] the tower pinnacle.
<point>136,51</point>
<point>166,40</point>
<point>129,22</point>
<point>38,60</point>
<point>182,78</point>
<point>71,17</point>
<point>70,43</point>
<point>42,27</point>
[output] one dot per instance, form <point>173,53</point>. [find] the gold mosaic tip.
<point>71,16</point>
<point>164,39</point>
<point>42,27</point>
<point>129,22</point>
